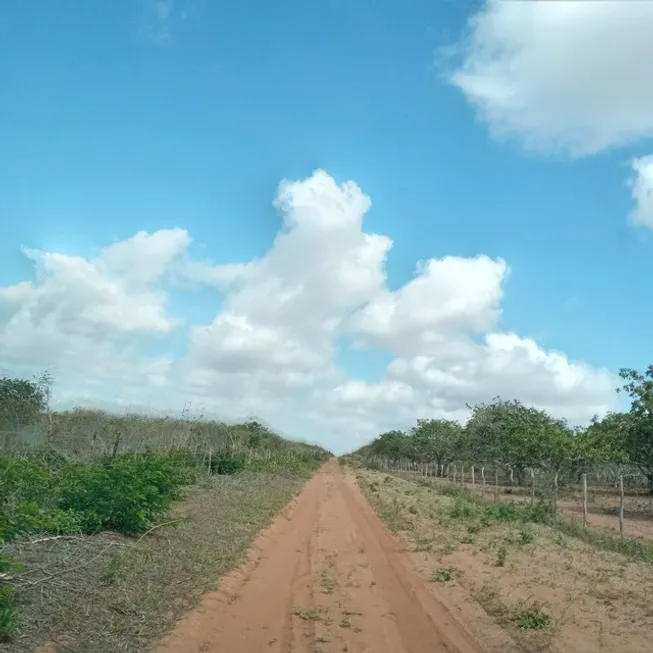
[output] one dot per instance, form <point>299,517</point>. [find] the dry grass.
<point>112,594</point>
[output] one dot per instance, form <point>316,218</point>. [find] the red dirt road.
<point>326,576</point>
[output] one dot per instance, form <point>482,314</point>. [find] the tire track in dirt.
<point>328,578</point>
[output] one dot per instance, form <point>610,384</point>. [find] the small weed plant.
<point>532,620</point>
<point>441,575</point>
<point>526,536</point>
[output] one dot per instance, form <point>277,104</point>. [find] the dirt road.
<point>326,576</point>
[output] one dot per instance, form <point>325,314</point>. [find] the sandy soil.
<point>327,576</point>
<point>597,601</point>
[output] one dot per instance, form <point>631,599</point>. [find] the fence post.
<point>584,500</point>
<point>621,507</point>
<point>496,484</point>
<point>532,487</point>
<point>454,472</point>
<point>483,477</point>
<point>462,475</point>
<point>555,493</point>
<point>209,467</point>
<point>473,479</point>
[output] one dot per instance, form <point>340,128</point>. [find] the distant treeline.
<point>516,437</point>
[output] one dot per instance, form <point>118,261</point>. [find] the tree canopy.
<point>511,435</point>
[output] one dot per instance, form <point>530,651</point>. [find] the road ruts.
<point>326,577</point>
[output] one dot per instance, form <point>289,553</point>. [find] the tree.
<point>516,436</point>
<point>23,400</point>
<point>604,440</point>
<point>437,440</point>
<point>638,432</point>
<point>393,445</point>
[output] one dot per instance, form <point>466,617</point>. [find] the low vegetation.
<point>545,581</point>
<point>79,490</point>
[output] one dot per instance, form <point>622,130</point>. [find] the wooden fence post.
<point>584,500</point>
<point>496,484</point>
<point>555,493</point>
<point>454,472</point>
<point>462,475</point>
<point>209,467</point>
<point>483,477</point>
<point>621,507</point>
<point>473,479</point>
<point>532,487</point>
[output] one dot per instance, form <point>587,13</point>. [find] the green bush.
<point>124,494</point>
<point>227,463</point>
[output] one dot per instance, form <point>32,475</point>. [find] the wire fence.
<point>601,499</point>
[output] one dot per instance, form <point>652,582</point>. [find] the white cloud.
<point>642,189</point>
<point>569,77</point>
<point>448,297</point>
<point>271,349</point>
<point>285,310</point>
<point>79,308</point>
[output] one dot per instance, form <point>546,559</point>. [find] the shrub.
<point>123,494</point>
<point>505,511</point>
<point>227,463</point>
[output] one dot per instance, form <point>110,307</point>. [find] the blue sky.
<point>136,115</point>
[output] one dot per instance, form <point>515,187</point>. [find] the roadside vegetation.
<point>543,581</point>
<point>111,525</point>
<point>510,448</point>
<point>485,509</point>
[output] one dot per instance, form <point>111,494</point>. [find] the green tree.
<point>393,445</point>
<point>605,440</point>
<point>516,436</point>
<point>22,401</point>
<point>437,440</point>
<point>638,433</point>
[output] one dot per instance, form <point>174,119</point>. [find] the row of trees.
<point>516,437</point>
